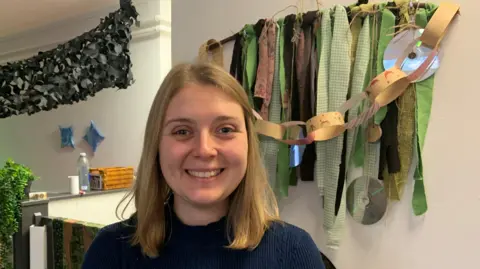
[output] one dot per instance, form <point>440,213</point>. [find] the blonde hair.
<point>252,205</point>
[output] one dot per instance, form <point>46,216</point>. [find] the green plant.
<point>14,178</point>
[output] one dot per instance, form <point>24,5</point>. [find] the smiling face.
<point>203,145</point>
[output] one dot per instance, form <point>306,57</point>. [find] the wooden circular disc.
<point>374,133</point>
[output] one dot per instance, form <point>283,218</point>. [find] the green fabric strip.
<point>338,85</point>
<point>355,29</point>
<point>395,182</point>
<point>382,37</point>
<point>322,94</point>
<point>424,95</point>
<point>360,67</point>
<point>380,23</point>
<point>283,174</point>
<point>318,38</point>
<point>387,30</point>
<point>250,59</point>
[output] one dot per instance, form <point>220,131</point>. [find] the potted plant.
<point>15,182</point>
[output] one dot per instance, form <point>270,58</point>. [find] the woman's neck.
<point>194,215</point>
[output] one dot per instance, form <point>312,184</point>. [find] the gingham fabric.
<point>322,94</point>
<point>338,85</point>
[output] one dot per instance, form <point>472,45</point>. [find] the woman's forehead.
<point>196,101</point>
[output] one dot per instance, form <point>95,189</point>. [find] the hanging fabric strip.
<point>314,61</point>
<point>386,31</point>
<point>250,63</point>
<point>294,109</point>
<point>381,25</point>
<point>379,34</point>
<point>359,72</point>
<point>290,85</point>
<point>322,94</point>
<point>272,45</point>
<point>355,29</point>
<point>338,85</point>
<point>261,82</point>
<point>308,158</point>
<point>269,144</point>
<point>296,103</point>
<point>359,146</point>
<point>424,92</point>
<point>395,182</point>
<point>236,64</point>
<point>389,156</point>
<point>288,62</point>
<point>389,139</point>
<point>283,151</point>
<point>318,40</point>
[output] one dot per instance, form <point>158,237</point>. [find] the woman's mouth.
<point>205,174</point>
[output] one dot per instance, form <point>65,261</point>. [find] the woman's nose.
<point>205,145</point>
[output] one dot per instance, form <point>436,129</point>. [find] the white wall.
<point>448,235</point>
<point>120,115</point>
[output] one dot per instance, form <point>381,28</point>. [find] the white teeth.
<point>204,174</point>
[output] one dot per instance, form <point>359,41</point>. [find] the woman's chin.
<point>204,198</point>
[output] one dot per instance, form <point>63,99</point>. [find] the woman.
<point>201,195</point>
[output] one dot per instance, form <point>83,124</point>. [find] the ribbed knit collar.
<point>182,235</point>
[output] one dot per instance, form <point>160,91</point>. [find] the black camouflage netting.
<point>71,72</point>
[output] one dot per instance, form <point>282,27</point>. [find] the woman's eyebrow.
<point>191,121</point>
<point>178,120</point>
<point>225,118</point>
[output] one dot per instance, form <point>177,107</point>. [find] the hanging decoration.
<point>344,86</point>
<point>67,138</point>
<point>93,136</point>
<point>83,66</point>
<point>211,55</point>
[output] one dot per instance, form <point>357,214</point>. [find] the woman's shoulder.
<point>109,245</point>
<point>295,245</point>
<point>116,233</point>
<point>285,231</point>
<point>122,228</point>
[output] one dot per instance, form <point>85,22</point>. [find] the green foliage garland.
<point>85,65</point>
<point>13,180</point>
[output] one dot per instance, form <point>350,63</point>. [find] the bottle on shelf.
<point>83,168</point>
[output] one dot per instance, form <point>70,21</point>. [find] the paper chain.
<point>383,89</point>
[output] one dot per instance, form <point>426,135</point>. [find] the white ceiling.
<point>18,16</point>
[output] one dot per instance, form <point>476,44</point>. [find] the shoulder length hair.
<point>252,205</point>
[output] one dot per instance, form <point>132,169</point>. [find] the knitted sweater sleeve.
<point>304,254</point>
<point>103,253</point>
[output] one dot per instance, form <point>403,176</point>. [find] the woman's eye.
<point>226,130</point>
<point>181,132</point>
